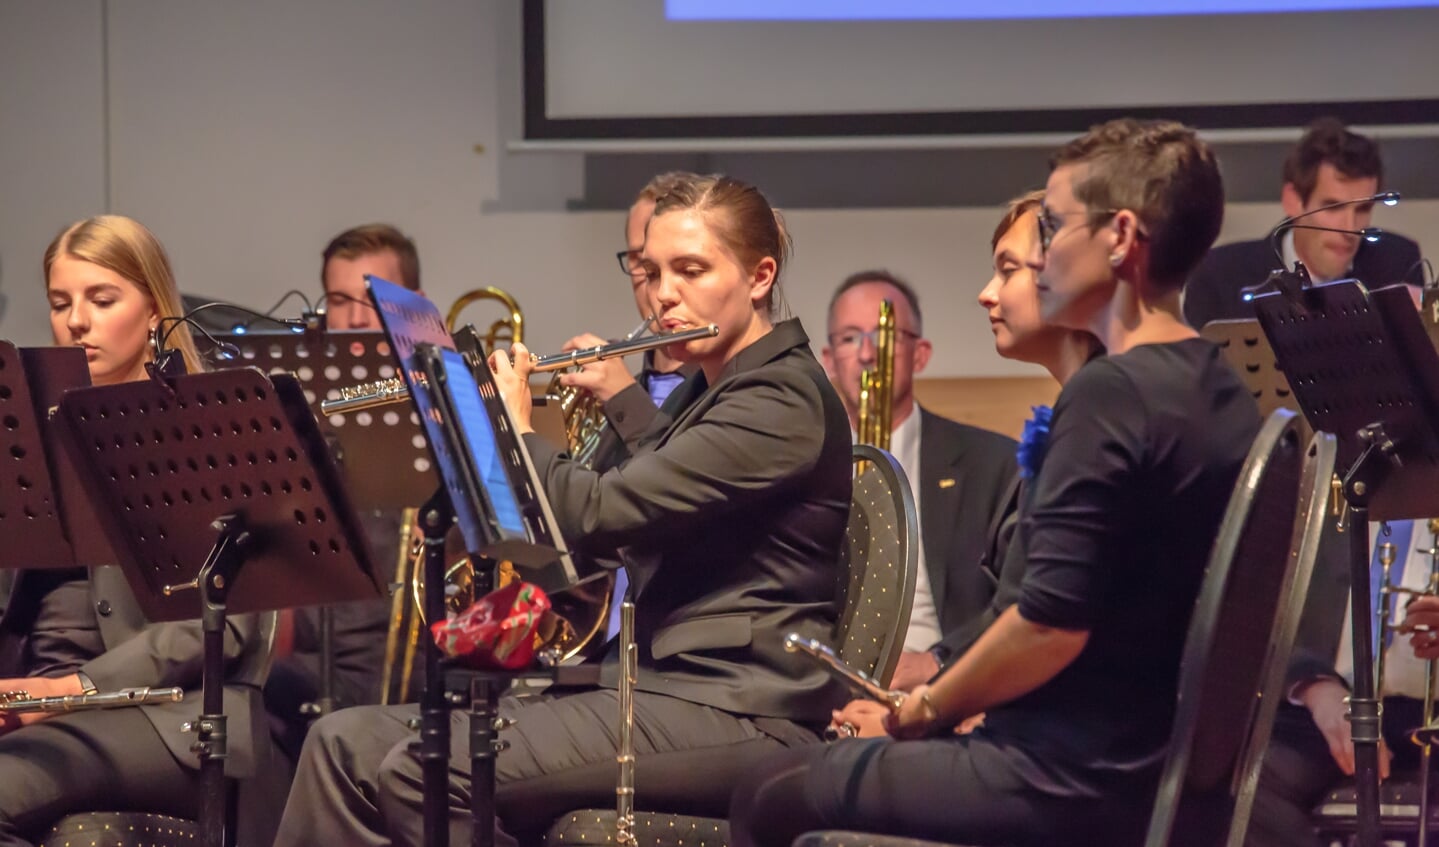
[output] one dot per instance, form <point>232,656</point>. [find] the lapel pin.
<point>946,483</point>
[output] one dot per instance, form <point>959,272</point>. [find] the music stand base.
<point>217,576</point>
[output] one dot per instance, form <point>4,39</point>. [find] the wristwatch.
<point>87,686</point>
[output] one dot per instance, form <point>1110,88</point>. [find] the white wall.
<point>246,134</point>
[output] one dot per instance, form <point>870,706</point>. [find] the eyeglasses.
<point>630,262</point>
<point>1051,222</point>
<point>848,342</point>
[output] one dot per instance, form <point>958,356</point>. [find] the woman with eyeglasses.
<point>109,285</point>
<point>1129,480</point>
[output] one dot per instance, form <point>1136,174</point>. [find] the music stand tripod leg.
<point>217,576</point>
<point>1364,706</point>
<point>485,725</point>
<point>433,748</point>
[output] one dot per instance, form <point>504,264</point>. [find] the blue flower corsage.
<point>1033,442</point>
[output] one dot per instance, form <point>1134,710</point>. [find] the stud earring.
<point>1116,259</point>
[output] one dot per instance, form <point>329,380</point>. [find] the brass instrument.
<point>19,702</point>
<point>508,330</point>
<point>402,619</point>
<point>625,755</point>
<point>393,390</point>
<point>876,385</point>
<point>1426,734</point>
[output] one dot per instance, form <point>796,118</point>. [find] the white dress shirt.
<point>1403,673</point>
<point>924,631</point>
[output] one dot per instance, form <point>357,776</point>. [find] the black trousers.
<point>958,789</point>
<point>357,783</point>
<point>1298,771</point>
<point>106,760</point>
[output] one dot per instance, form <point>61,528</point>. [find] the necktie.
<point>1401,532</point>
<point>622,583</point>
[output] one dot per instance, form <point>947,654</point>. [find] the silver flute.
<point>20,702</point>
<point>629,677</point>
<point>382,392</point>
<point>794,643</point>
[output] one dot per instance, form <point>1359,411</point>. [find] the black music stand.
<point>326,362</point>
<point>32,527</point>
<point>422,343</point>
<point>228,469</point>
<point>1363,369</point>
<point>1247,350</point>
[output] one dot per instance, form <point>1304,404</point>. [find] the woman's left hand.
<point>915,718</point>
<point>35,688</point>
<point>512,378</point>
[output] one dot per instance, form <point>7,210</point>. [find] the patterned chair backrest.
<point>878,566</point>
<point>1239,638</point>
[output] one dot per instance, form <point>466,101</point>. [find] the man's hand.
<point>605,378</point>
<point>1421,622</point>
<point>914,669</point>
<point>512,378</point>
<point>1325,700</point>
<point>36,687</point>
<point>866,716</point>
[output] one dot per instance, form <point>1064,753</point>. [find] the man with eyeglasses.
<point>632,401</point>
<point>963,477</point>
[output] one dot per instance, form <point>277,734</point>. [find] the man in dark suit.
<point>964,478</point>
<point>1330,164</point>
<point>73,632</point>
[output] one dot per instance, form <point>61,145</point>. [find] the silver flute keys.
<point>382,392</point>
<point>629,677</point>
<point>794,643</point>
<point>20,702</point>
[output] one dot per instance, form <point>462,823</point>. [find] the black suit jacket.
<point>632,414</point>
<point>139,653</point>
<point>966,487</point>
<point>730,526</point>
<point>1212,293</point>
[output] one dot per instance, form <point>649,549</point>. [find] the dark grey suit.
<point>130,758</point>
<point>966,488</point>
<point>730,523</point>
<point>1212,293</point>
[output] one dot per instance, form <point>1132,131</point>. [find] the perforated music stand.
<point>31,527</point>
<point>382,456</point>
<point>382,453</point>
<point>1247,351</point>
<point>228,469</point>
<point>1363,369</point>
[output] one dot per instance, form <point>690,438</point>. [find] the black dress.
<point>1143,453</point>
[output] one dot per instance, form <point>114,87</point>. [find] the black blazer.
<point>138,653</point>
<point>966,485</point>
<point>730,526</point>
<point>1212,293</point>
<point>632,414</point>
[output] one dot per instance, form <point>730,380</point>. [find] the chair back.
<point>1239,637</point>
<point>878,565</point>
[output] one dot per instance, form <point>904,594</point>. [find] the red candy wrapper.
<point>498,631</point>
